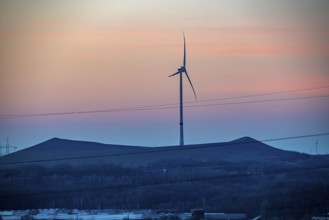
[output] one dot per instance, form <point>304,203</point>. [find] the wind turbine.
<point>181,71</point>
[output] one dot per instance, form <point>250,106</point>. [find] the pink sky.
<point>74,56</point>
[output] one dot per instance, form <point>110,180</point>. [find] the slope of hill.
<point>59,150</point>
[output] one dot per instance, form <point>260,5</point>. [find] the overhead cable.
<point>154,107</point>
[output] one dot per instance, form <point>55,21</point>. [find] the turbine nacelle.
<point>182,69</point>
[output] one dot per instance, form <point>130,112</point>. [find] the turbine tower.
<point>180,71</point>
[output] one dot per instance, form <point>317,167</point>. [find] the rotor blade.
<point>190,83</point>
<point>184,61</point>
<point>174,74</point>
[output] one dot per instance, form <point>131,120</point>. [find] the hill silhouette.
<point>59,150</point>
<point>241,176</point>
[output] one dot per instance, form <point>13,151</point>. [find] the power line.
<point>259,101</point>
<point>265,94</point>
<point>154,107</point>
<point>166,149</point>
